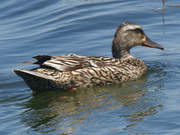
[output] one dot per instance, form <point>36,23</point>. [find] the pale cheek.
<point>143,38</point>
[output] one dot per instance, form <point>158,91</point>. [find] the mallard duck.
<point>73,71</point>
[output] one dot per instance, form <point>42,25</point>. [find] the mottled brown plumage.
<point>76,71</point>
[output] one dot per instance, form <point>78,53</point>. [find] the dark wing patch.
<point>42,58</point>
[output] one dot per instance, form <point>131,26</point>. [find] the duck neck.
<point>120,50</point>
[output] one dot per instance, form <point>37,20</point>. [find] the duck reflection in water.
<point>130,102</point>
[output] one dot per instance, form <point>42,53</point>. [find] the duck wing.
<point>66,63</point>
<point>71,62</point>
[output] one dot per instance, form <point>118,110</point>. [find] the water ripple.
<point>87,27</point>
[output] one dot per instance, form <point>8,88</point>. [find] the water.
<point>148,105</point>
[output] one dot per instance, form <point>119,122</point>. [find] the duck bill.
<point>150,43</point>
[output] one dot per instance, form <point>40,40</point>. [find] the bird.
<point>71,72</point>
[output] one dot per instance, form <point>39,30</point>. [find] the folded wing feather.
<point>71,62</point>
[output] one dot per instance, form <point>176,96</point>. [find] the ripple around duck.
<point>130,102</point>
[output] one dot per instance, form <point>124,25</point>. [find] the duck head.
<point>127,36</point>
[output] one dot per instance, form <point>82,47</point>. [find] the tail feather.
<point>40,59</point>
<point>37,81</point>
<point>29,62</point>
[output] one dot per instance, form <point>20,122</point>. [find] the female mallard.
<point>76,71</point>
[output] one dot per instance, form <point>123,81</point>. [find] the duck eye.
<point>137,30</point>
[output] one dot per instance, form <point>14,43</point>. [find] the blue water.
<point>148,105</point>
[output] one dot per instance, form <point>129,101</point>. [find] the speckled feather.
<point>76,71</point>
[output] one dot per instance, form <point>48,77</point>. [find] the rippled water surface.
<point>148,105</point>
